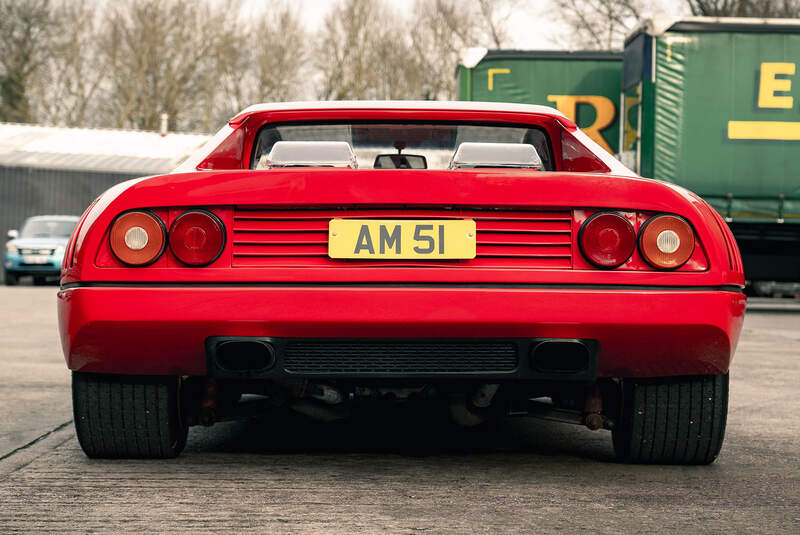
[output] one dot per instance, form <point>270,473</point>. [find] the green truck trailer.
<point>584,85</point>
<point>710,104</point>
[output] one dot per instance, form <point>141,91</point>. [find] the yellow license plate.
<point>376,239</point>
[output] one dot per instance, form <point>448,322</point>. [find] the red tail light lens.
<point>137,238</point>
<point>197,237</point>
<point>666,241</point>
<point>607,239</point>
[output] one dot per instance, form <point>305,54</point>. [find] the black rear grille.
<point>398,358</point>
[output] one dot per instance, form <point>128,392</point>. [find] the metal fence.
<point>29,191</point>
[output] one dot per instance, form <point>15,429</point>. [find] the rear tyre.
<point>11,279</point>
<point>128,416</point>
<point>672,420</point>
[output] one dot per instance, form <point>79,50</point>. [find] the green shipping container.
<point>585,86</point>
<point>714,105</point>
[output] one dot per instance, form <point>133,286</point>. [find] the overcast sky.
<point>532,26</point>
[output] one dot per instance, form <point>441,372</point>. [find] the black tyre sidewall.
<point>125,416</point>
<point>672,420</point>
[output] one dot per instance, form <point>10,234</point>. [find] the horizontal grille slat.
<point>280,237</point>
<point>519,238</point>
<point>485,225</point>
<point>280,249</point>
<point>281,225</point>
<point>391,358</point>
<point>250,215</point>
<point>562,251</point>
<point>324,262</point>
<point>540,239</point>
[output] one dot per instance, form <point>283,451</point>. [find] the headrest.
<point>518,155</point>
<point>309,154</point>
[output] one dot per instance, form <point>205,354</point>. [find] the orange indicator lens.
<point>137,238</point>
<point>666,241</point>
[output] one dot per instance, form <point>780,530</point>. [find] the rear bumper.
<point>163,330</point>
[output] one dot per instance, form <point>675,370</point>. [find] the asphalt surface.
<point>405,471</point>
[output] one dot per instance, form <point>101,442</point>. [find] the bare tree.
<point>365,51</point>
<point>277,50</point>
<point>600,24</point>
<point>24,29</point>
<point>362,54</point>
<point>124,64</point>
<point>161,56</point>
<point>494,17</point>
<point>91,62</point>
<point>604,24</point>
<point>263,61</point>
<point>745,8</point>
<point>442,29</point>
<point>66,86</point>
<point>345,45</point>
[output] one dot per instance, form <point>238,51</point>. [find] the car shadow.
<point>424,431</point>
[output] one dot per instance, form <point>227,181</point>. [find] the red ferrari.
<point>490,257</point>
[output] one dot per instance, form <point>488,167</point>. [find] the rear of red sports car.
<point>492,259</point>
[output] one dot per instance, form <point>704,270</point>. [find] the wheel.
<point>11,279</point>
<point>39,281</point>
<point>128,416</point>
<point>672,420</point>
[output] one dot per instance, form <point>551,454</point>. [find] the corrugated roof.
<point>94,149</point>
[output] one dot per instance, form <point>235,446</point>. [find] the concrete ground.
<point>403,472</point>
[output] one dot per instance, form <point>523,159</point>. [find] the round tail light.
<point>607,239</point>
<point>197,237</point>
<point>137,238</point>
<point>666,241</point>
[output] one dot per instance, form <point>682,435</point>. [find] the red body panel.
<point>398,191</point>
<point>642,333</point>
<point>155,319</point>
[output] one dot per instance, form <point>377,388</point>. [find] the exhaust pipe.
<point>244,355</point>
<point>561,357</point>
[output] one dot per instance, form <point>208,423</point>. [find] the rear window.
<point>437,142</point>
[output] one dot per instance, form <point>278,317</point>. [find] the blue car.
<point>38,248</point>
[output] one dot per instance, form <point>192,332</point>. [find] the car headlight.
<point>11,248</point>
<point>59,251</point>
